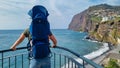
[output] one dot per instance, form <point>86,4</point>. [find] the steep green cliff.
<point>102,22</point>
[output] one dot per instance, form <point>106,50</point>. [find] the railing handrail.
<point>66,49</point>
<point>7,50</point>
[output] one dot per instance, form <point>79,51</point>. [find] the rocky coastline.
<point>111,53</point>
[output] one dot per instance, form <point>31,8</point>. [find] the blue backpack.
<point>39,30</point>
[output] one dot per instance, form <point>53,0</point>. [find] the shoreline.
<point>95,54</point>
<point>111,48</point>
<point>105,55</point>
<point>99,59</point>
<point>99,55</point>
<point>99,52</point>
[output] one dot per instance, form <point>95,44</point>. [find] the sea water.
<point>66,38</point>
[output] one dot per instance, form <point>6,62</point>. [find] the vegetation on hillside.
<point>113,63</point>
<point>102,22</point>
<point>105,30</point>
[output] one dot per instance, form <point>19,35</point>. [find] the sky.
<point>13,13</point>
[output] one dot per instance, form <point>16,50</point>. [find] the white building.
<point>104,19</point>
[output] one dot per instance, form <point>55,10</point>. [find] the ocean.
<point>66,38</point>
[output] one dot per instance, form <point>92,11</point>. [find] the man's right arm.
<point>52,37</point>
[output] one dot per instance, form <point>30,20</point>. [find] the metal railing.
<point>19,59</point>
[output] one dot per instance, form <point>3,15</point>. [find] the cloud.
<point>113,2</point>
<point>33,1</point>
<point>54,7</point>
<point>61,11</point>
<point>96,1</point>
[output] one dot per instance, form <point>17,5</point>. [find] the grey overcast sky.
<point>13,13</point>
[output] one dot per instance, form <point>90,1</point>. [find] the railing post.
<point>9,62</point>
<point>83,64</point>
<point>60,60</point>
<point>22,60</point>
<point>2,60</point>
<point>54,60</point>
<point>15,62</point>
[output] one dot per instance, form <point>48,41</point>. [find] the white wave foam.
<point>99,52</point>
<point>94,54</point>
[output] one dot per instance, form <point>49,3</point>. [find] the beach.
<point>113,52</point>
<point>100,59</point>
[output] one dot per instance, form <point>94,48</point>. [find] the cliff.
<point>78,22</point>
<point>102,22</point>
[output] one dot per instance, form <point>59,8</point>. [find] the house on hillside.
<point>107,15</point>
<point>105,18</point>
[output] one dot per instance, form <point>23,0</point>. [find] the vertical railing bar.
<point>83,64</point>
<point>15,62</point>
<point>28,61</point>
<point>2,60</point>
<point>60,60</point>
<point>54,60</point>
<point>68,62</point>
<point>72,63</point>
<point>9,62</point>
<point>29,58</point>
<point>65,61</point>
<point>78,66</point>
<point>75,65</point>
<point>22,60</point>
